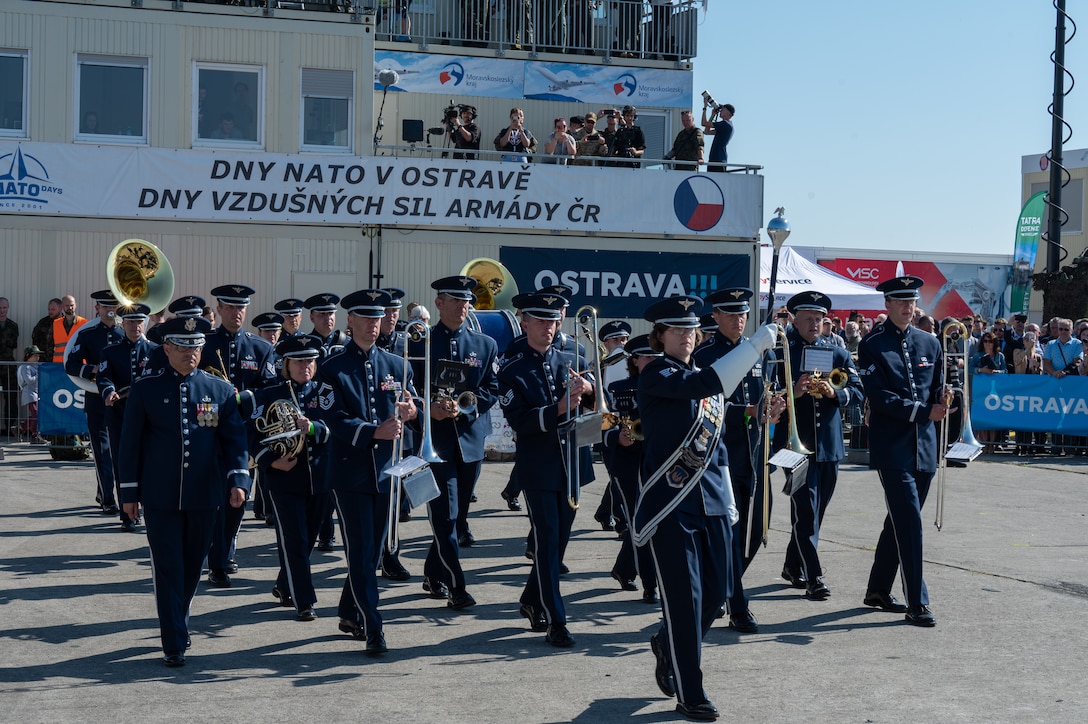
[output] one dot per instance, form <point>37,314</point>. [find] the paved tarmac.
<point>1008,577</point>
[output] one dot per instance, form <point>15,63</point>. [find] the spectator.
<point>400,9</point>
<point>9,340</point>
<point>1014,337</point>
<point>1028,360</point>
<point>1049,332</point>
<point>65,326</point>
<point>464,133</point>
<point>988,361</point>
<point>581,25</point>
<point>722,131</point>
<point>28,393</point>
<point>90,123</point>
<point>1063,357</point>
<point>852,337</point>
<point>203,117</point>
<point>880,319</point>
<point>475,22</point>
<point>688,145</point>
<point>42,334</point>
<point>577,126</point>
<point>662,43</point>
<point>590,143</point>
<point>519,23</point>
<point>629,141</point>
<point>827,337</point>
<point>419,312</point>
<point>227,130</point>
<point>242,114</point>
<point>551,25</point>
<point>209,314</point>
<point>627,20</point>
<point>515,140</point>
<point>560,144</point>
<point>926,323</point>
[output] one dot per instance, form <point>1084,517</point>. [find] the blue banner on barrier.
<point>624,283</point>
<point>60,404</point>
<point>1035,403</point>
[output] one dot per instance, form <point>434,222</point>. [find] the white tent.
<point>797,274</point>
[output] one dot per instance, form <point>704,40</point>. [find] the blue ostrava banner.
<point>60,404</point>
<point>1038,403</point>
<point>624,283</point>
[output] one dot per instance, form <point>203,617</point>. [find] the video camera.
<point>450,114</point>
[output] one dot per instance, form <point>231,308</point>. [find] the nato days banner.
<point>624,283</point>
<point>153,183</point>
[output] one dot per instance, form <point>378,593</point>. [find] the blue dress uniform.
<point>83,355</point>
<point>189,306</point>
<point>292,308</point>
<point>249,362</point>
<point>819,425</point>
<point>531,385</point>
<point>332,343</point>
<point>122,364</point>
<point>297,497</point>
<point>459,440</point>
<point>743,441</point>
<point>686,505</point>
<point>624,463</point>
<point>184,443</point>
<point>901,371</point>
<point>610,513</point>
<point>366,385</point>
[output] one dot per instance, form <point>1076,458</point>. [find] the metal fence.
<point>18,422</point>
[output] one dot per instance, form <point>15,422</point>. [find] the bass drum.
<point>499,324</point>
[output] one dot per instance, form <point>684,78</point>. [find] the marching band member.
<point>612,337</point>
<point>122,364</point>
<point>81,359</point>
<point>296,486</point>
<point>365,416</point>
<point>248,362</point>
<point>538,393</point>
<point>269,326</point>
<point>323,316</point>
<point>623,458</point>
<point>819,425</point>
<point>900,368</point>
<point>461,361</point>
<point>743,441</point>
<point>182,435</point>
<point>291,310</point>
<point>681,407</point>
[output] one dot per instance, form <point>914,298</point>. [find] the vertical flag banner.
<point>1028,230</point>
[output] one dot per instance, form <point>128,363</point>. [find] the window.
<point>111,99</point>
<point>1072,203</point>
<point>13,73</point>
<point>326,110</point>
<point>228,105</point>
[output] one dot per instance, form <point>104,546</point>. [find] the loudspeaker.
<point>411,130</point>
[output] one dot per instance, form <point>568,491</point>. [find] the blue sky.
<point>890,125</point>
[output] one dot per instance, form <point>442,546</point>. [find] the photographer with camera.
<point>722,131</point>
<point>589,142</point>
<point>560,144</point>
<point>515,141</point>
<point>628,140</point>
<point>461,130</point>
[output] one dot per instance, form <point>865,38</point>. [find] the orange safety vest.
<point>61,335</point>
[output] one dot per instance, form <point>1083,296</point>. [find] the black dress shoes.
<point>128,525</point>
<point>110,510</point>
<point>232,566</point>
<point>435,589</point>
<point>375,644</point>
<point>921,616</point>
<point>795,579</point>
<point>703,711</point>
<point>283,597</point>
<point>563,570</point>
<point>395,571</point>
<point>537,621</point>
<point>466,539</point>
<point>607,524</point>
<point>649,595</point>
<point>512,501</point>
<point>460,598</point>
<point>666,681</point>
<point>743,622</point>
<point>626,584</point>
<point>306,614</point>
<point>325,545</point>
<point>559,637</point>
<point>219,579</point>
<point>884,601</point>
<point>350,627</point>
<point>405,516</point>
<point>817,591</point>
<point>174,660</point>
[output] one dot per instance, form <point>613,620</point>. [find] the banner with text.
<point>517,79</point>
<point>60,404</point>
<point>1028,230</point>
<point>624,283</point>
<point>154,183</point>
<point>1039,403</point>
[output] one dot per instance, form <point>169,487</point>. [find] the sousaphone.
<point>495,285</point>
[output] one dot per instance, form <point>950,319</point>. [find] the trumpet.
<point>837,378</point>
<point>633,426</point>
<point>462,404</point>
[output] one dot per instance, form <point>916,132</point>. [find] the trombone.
<point>582,425</point>
<point>416,330</point>
<point>966,446</point>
